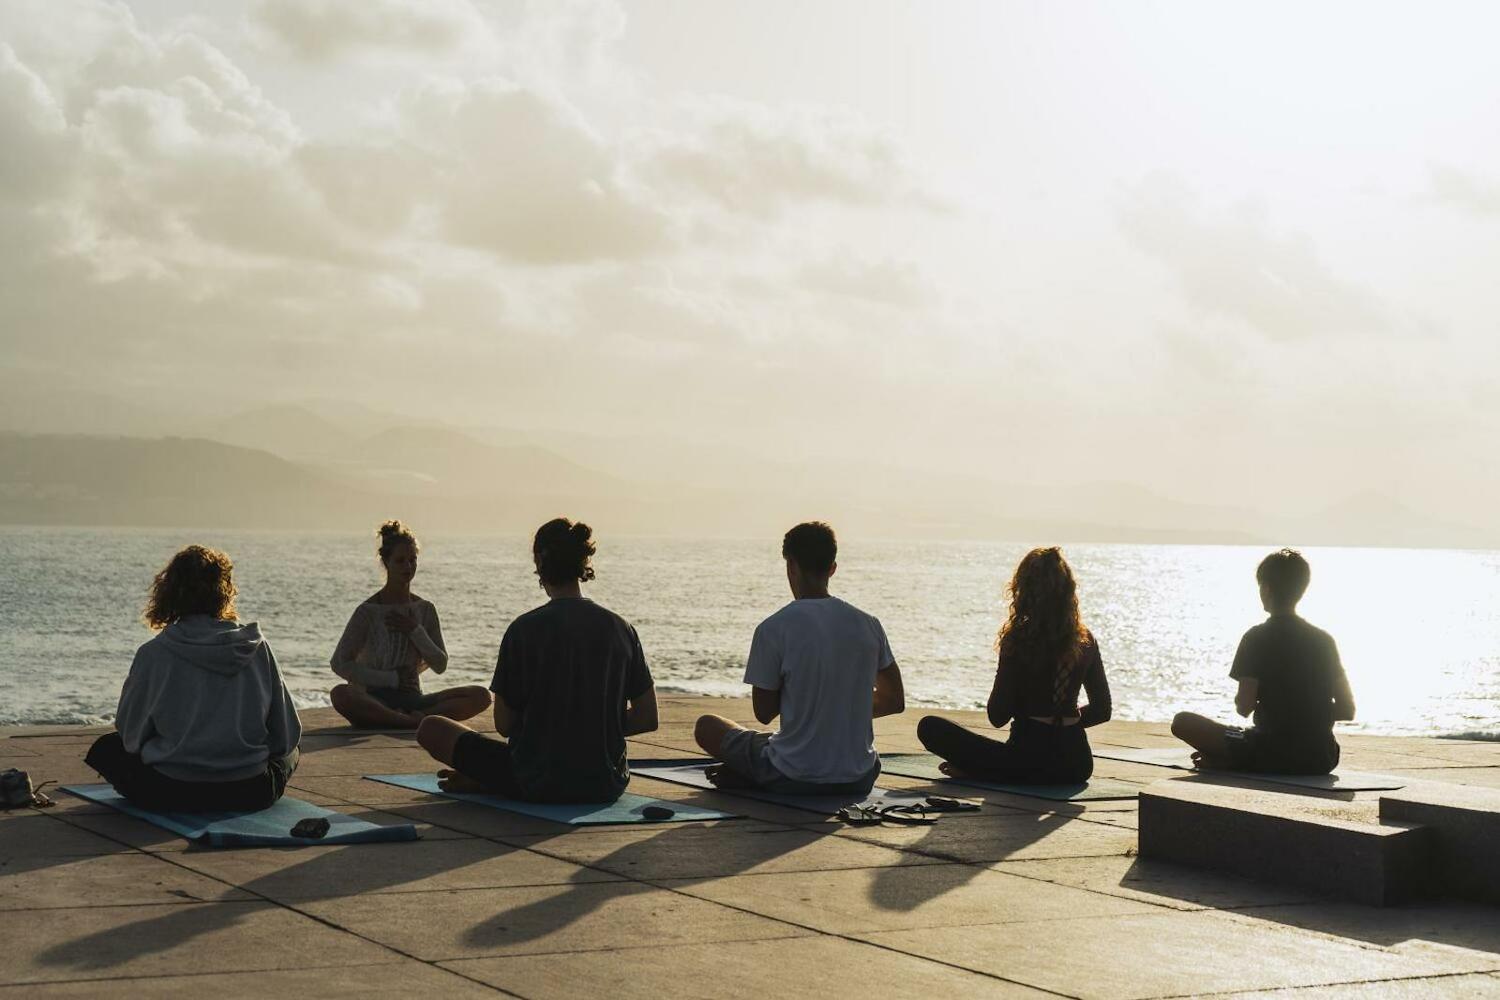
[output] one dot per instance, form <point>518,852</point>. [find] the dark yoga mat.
<point>627,808</point>
<point>267,828</point>
<point>690,773</point>
<point>1181,759</point>
<point>925,765</point>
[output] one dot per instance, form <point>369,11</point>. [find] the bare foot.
<point>1204,762</point>
<point>723,777</point>
<point>953,771</point>
<point>453,781</point>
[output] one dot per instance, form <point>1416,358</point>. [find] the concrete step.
<point>1465,825</point>
<point>1327,845</point>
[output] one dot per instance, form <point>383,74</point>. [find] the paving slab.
<point>1001,837</point>
<point>1485,777</point>
<point>39,833</point>
<point>1158,882</point>
<point>1462,937</point>
<point>400,980</point>
<point>1156,954</point>
<point>1477,987</point>
<point>129,941</point>
<point>287,874</point>
<point>739,970</point>
<point>104,880</point>
<point>703,852</point>
<point>437,926</point>
<point>870,899</point>
<point>380,760</point>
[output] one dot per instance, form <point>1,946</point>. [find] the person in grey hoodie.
<point>205,723</point>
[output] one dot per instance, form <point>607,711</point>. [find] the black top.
<point>566,669</point>
<point>1299,672</point>
<point>1028,688</point>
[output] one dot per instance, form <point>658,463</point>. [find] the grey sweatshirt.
<point>204,701</point>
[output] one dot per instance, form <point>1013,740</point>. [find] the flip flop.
<point>907,815</point>
<point>943,804</point>
<point>857,815</point>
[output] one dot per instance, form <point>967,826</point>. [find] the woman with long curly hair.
<point>205,723</point>
<point>1046,655</point>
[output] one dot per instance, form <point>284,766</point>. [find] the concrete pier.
<point>1029,897</point>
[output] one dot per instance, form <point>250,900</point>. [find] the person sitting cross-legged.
<point>1290,677</point>
<point>391,639</point>
<point>826,669</point>
<point>571,683</point>
<point>205,722</point>
<point>1046,655</point>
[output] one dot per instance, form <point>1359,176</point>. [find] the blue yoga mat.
<point>691,773</point>
<point>1181,759</point>
<point>627,808</point>
<point>267,828</point>
<point>925,765</point>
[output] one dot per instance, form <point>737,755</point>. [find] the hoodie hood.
<point>221,647</point>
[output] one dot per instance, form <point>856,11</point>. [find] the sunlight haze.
<point>1146,270</point>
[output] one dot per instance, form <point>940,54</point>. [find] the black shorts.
<point>488,762</point>
<point>403,699</point>
<point>1256,750</point>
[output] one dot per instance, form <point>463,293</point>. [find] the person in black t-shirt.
<point>1290,678</point>
<point>571,683</point>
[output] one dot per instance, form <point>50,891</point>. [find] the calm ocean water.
<point>1419,629</point>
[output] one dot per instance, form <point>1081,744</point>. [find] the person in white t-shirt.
<point>826,669</point>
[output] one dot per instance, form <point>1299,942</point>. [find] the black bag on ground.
<point>16,790</point>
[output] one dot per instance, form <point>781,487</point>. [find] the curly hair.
<point>393,533</point>
<point>1043,626</point>
<point>197,581</point>
<point>562,549</point>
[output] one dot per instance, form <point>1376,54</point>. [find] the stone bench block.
<point>1464,821</point>
<point>1319,844</point>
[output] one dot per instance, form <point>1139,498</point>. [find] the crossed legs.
<point>364,711</point>
<point>1205,736</point>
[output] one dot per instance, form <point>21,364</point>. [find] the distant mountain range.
<point>326,466</point>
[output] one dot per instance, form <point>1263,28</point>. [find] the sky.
<point>1233,253</point>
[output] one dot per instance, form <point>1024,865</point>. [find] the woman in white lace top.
<point>390,639</point>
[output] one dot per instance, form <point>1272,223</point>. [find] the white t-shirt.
<point>822,654</point>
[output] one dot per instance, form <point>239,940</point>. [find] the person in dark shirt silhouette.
<point>571,683</point>
<point>1046,655</point>
<point>1289,676</point>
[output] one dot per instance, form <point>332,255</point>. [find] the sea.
<point>1418,629</point>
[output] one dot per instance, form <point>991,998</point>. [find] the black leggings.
<point>1036,753</point>
<point>147,787</point>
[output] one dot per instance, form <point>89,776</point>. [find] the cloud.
<point>170,221</point>
<point>1464,191</point>
<point>900,284</point>
<point>325,30</point>
<point>751,160</point>
<point>522,175</point>
<point>1240,269</point>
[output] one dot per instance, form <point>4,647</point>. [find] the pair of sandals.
<point>924,813</point>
